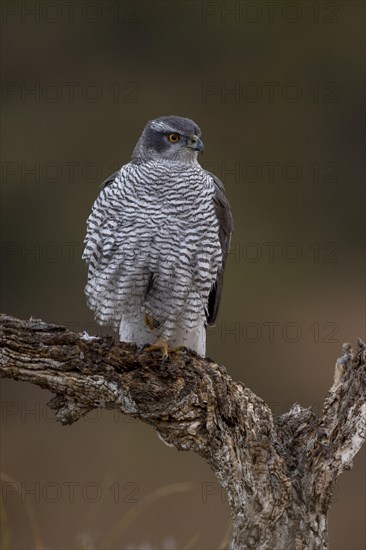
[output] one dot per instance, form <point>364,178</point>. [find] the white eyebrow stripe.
<point>162,127</point>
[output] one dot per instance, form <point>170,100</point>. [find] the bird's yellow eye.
<point>173,138</point>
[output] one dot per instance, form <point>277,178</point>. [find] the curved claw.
<point>162,345</point>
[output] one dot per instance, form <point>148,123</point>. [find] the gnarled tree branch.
<point>279,474</point>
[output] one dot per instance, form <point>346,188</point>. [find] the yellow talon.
<point>161,345</point>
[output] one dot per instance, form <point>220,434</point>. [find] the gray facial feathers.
<point>154,141</point>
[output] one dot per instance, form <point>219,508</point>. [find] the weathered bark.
<point>278,474</point>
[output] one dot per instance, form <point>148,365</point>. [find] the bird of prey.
<point>157,241</point>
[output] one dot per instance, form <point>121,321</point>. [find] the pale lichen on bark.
<point>279,474</point>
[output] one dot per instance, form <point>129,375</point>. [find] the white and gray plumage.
<point>157,241</point>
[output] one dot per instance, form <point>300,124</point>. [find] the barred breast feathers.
<point>154,219</point>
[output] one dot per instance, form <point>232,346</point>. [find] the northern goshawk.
<point>157,241</point>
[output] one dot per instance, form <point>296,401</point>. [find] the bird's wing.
<point>225,219</point>
<point>96,220</point>
<point>104,251</point>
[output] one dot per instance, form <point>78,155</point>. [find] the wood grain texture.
<point>279,474</point>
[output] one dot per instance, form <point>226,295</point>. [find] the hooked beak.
<point>195,143</point>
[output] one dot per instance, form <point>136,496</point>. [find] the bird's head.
<point>170,138</point>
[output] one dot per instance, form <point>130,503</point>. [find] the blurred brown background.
<point>277,90</point>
